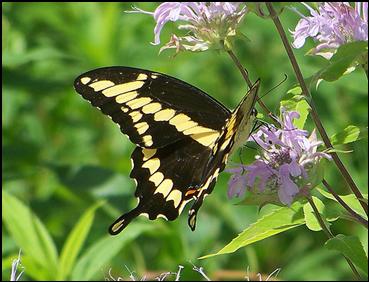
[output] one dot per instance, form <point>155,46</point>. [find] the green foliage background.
<point>61,156</point>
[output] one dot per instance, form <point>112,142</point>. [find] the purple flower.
<point>289,155</point>
<point>332,25</point>
<point>208,24</point>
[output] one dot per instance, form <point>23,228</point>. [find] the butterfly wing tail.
<point>124,220</point>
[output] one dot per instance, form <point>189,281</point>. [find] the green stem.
<point>355,215</point>
<point>330,235</point>
<point>314,113</point>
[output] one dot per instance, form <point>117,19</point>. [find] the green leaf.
<point>30,234</point>
<point>350,200</point>
<point>310,220</point>
<point>350,134</point>
<point>104,250</point>
<point>75,242</point>
<point>302,107</point>
<point>346,56</point>
<point>351,247</point>
<point>297,103</point>
<point>259,199</point>
<point>277,221</point>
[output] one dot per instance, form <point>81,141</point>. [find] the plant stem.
<point>344,205</point>
<point>346,175</point>
<point>249,84</point>
<point>330,235</point>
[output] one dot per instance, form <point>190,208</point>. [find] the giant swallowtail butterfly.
<point>183,136</point>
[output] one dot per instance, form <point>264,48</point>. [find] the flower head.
<point>332,25</point>
<point>209,24</point>
<point>288,159</point>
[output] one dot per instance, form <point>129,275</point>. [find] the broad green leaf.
<point>296,90</point>
<point>99,254</point>
<point>302,107</point>
<point>29,233</point>
<point>34,270</point>
<point>75,242</point>
<point>297,103</point>
<point>351,247</point>
<point>350,134</point>
<point>350,200</point>
<point>277,221</point>
<point>346,56</point>
<point>310,220</point>
<point>260,199</point>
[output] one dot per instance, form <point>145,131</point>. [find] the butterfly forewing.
<point>147,104</point>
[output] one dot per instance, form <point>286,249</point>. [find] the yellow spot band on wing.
<point>102,84</point>
<point>198,130</point>
<point>152,165</point>
<point>142,76</point>
<point>165,187</point>
<point>147,139</point>
<point>186,125</point>
<point>164,115</point>
<point>176,196</point>
<point>142,127</point>
<point>206,139</point>
<point>148,153</point>
<point>85,80</point>
<point>123,88</point>
<point>178,119</point>
<point>136,116</point>
<point>151,108</point>
<point>157,178</point>
<point>137,103</point>
<point>122,98</point>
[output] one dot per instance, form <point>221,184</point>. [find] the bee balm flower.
<point>332,25</point>
<point>209,24</point>
<point>289,158</point>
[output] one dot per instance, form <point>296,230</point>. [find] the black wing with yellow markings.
<point>147,104</point>
<point>183,136</point>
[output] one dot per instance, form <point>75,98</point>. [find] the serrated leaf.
<point>30,234</point>
<point>75,241</point>
<point>97,256</point>
<point>349,134</point>
<point>350,200</point>
<point>351,247</point>
<point>310,220</point>
<point>277,221</point>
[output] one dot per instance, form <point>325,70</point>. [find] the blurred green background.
<point>60,155</point>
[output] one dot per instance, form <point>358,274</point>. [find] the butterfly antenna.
<point>276,86</point>
<point>270,114</point>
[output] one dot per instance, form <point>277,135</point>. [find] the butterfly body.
<point>183,136</point>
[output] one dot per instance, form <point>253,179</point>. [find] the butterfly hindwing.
<point>145,104</point>
<point>164,177</point>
